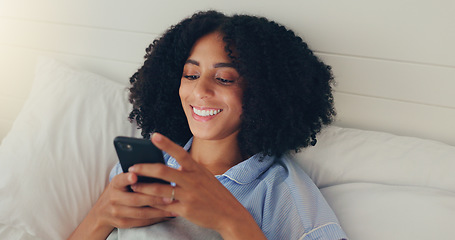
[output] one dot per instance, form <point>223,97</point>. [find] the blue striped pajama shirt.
<point>280,196</point>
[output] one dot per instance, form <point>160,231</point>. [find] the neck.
<point>216,155</point>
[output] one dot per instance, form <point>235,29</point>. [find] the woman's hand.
<point>119,208</point>
<point>199,196</point>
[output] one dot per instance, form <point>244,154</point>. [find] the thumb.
<point>123,180</point>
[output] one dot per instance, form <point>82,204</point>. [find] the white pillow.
<point>383,186</point>
<point>55,161</point>
<point>344,155</point>
<point>376,211</point>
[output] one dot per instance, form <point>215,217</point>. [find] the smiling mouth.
<point>206,112</point>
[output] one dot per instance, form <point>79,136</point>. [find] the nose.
<point>203,88</point>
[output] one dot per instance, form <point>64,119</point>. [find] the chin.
<point>213,135</point>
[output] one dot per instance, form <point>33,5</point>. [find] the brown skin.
<point>208,83</point>
<point>119,208</point>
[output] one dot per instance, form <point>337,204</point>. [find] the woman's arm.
<point>91,227</point>
<point>119,208</point>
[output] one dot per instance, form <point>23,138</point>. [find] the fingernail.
<point>131,169</point>
<point>167,200</point>
<point>133,187</point>
<point>130,177</point>
<point>157,136</point>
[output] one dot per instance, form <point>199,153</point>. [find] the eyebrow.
<point>216,65</point>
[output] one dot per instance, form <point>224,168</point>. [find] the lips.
<point>205,114</point>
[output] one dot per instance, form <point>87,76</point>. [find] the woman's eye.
<point>191,77</point>
<point>224,81</point>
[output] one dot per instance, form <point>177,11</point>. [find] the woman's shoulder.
<point>292,197</point>
<point>287,181</point>
<point>286,172</point>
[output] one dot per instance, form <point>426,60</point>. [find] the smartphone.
<point>131,151</point>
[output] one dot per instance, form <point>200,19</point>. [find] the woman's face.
<point>211,90</point>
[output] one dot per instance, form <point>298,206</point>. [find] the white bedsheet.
<point>177,228</point>
<point>10,233</point>
<point>393,212</point>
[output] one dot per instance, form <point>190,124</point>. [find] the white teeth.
<point>205,113</point>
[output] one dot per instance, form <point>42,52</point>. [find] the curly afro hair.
<point>287,99</point>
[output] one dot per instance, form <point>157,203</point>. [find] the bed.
<point>385,166</point>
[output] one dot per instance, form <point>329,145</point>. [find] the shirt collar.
<point>242,173</point>
<point>250,169</point>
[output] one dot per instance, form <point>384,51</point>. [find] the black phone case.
<point>131,151</point>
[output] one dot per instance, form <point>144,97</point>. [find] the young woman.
<point>238,93</point>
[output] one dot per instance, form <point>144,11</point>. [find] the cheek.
<point>183,91</point>
<point>235,99</point>
<point>183,94</point>
<point>180,91</point>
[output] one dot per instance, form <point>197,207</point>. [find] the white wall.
<point>394,60</point>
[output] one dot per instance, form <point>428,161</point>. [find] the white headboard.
<point>394,61</point>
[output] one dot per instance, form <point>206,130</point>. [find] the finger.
<point>122,180</point>
<point>174,208</point>
<point>143,213</point>
<point>157,170</point>
<point>166,193</point>
<point>137,199</point>
<point>175,150</point>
